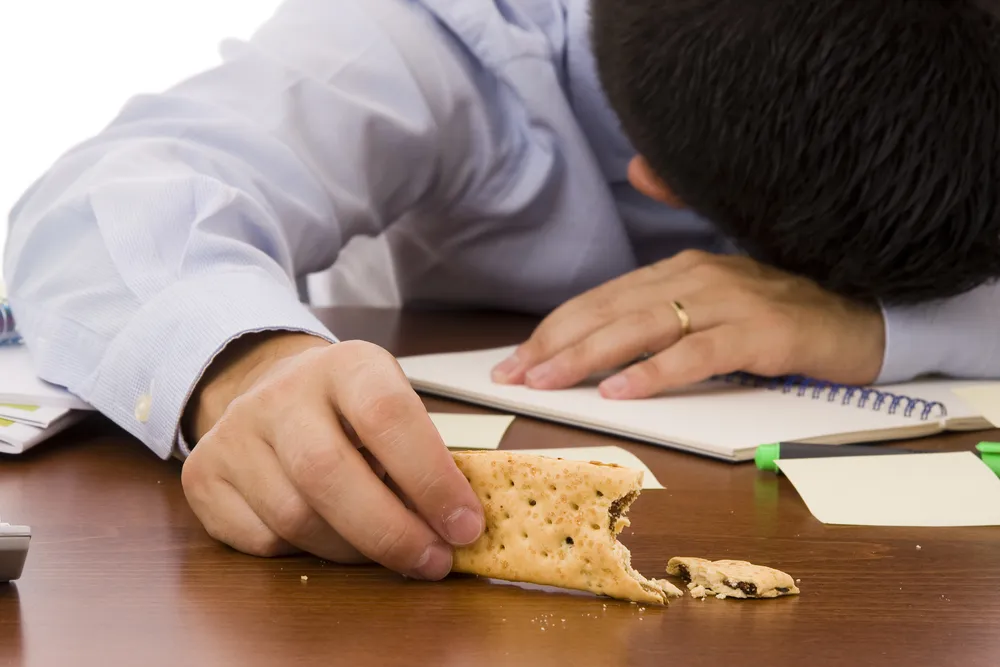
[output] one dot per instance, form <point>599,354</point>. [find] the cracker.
<point>732,578</point>
<point>553,522</point>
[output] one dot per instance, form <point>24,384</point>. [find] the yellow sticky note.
<point>984,399</point>
<point>22,408</point>
<point>471,431</point>
<point>615,455</point>
<point>940,489</point>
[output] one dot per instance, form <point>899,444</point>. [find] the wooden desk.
<point>120,572</point>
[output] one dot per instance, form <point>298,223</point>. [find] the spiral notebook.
<point>726,418</point>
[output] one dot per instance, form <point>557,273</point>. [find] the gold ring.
<point>683,317</point>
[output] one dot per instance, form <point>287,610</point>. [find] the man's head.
<point>856,142</point>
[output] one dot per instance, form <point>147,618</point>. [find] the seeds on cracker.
<point>553,522</point>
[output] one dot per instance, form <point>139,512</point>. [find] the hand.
<point>279,467</point>
<point>744,317</point>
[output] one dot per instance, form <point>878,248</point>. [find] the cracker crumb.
<point>698,592</point>
<point>543,629</point>
<point>722,596</point>
<point>798,581</point>
<point>304,578</point>
<point>918,547</point>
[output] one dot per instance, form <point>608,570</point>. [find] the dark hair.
<point>855,142</point>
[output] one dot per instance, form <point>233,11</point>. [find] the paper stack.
<point>31,411</point>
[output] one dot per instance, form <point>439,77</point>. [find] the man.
<point>839,159</point>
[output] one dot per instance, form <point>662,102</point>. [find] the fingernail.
<point>463,527</point>
<point>434,564</point>
<point>503,370</point>
<point>614,386</point>
<point>539,375</point>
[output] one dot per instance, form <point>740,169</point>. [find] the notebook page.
<point>32,415</point>
<point>718,419</point>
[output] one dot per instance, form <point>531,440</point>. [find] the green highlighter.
<point>767,456</point>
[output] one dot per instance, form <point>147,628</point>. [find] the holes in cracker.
<point>531,501</point>
<point>569,541</point>
<point>489,497</point>
<point>512,482</point>
<point>506,515</point>
<point>574,506</point>
<point>502,547</point>
<point>524,535</point>
<point>595,526</point>
<point>545,554</point>
<point>548,520</point>
<point>599,494</point>
<point>552,487</point>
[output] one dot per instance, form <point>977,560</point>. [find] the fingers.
<point>697,357</point>
<point>336,481</point>
<point>611,346</point>
<point>582,317</point>
<point>224,513</point>
<point>272,497</point>
<point>374,396</point>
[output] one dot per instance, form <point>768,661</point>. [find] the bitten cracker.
<point>553,522</point>
<point>731,578</point>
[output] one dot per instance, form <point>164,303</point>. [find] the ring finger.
<point>618,343</point>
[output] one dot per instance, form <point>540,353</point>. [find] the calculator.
<point>13,551</point>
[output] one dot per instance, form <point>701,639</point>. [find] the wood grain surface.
<point>121,573</point>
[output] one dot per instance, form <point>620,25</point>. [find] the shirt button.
<point>142,408</point>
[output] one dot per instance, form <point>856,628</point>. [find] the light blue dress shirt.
<point>471,136</point>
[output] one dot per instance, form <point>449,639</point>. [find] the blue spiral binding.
<point>8,331</point>
<point>859,396</point>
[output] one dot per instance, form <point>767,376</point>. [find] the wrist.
<point>870,341</point>
<point>237,368</point>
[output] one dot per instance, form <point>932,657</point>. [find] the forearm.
<point>146,250</point>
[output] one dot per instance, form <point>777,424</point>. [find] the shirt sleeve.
<point>183,225</point>
<point>959,337</point>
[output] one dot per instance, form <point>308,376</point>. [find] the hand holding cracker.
<point>309,446</point>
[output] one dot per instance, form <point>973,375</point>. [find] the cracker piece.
<point>732,578</point>
<point>553,522</point>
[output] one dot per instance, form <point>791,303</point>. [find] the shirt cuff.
<point>151,368</point>
<point>955,337</point>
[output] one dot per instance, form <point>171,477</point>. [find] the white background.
<point>67,66</point>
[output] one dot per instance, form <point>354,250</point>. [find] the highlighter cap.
<point>767,456</point>
<point>991,455</point>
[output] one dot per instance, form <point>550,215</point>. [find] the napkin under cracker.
<point>554,522</point>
